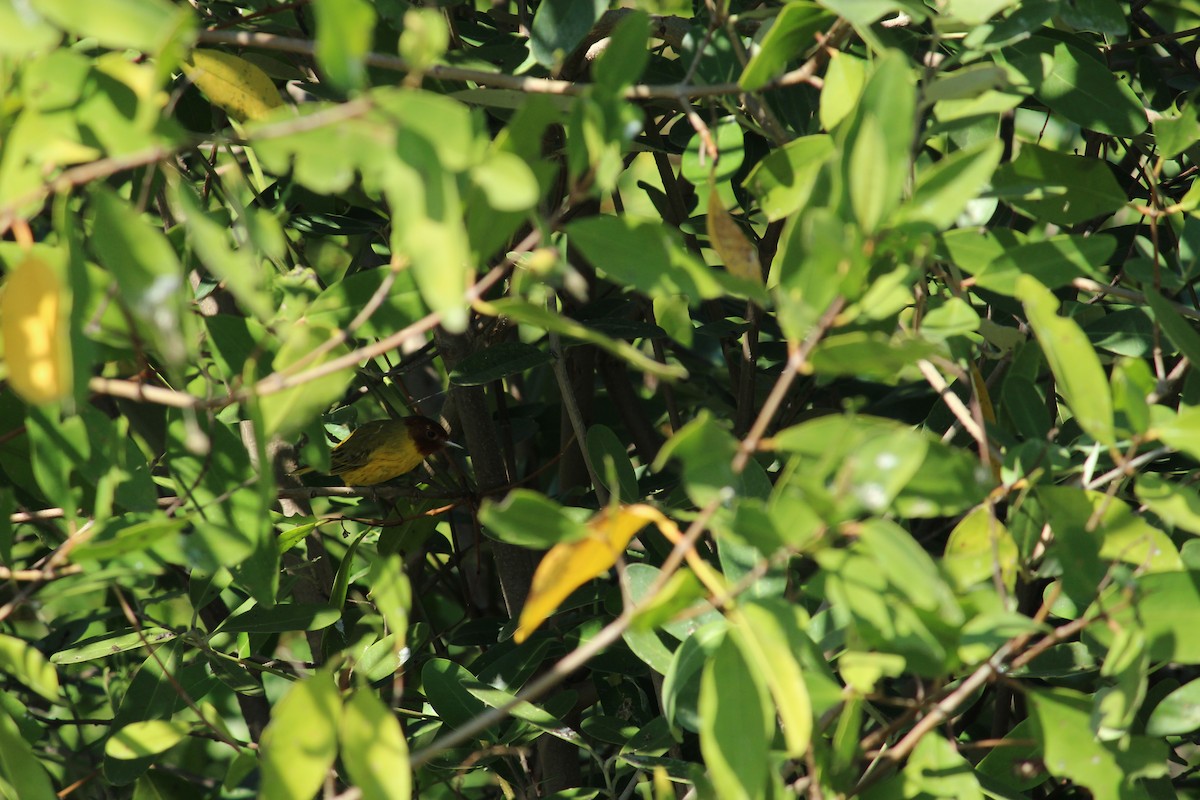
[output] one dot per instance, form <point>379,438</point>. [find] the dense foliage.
<point>840,353</point>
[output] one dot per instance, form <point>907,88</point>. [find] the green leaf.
<point>344,33</point>
<point>147,271</point>
<point>507,182</point>
<point>1055,261</point>
<point>736,723</point>
<point>682,591</point>
<point>909,568</point>
<point>19,766</point>
<point>936,768</point>
<point>866,354</point>
<point>962,84</point>
<point>19,660</point>
<point>299,746</point>
<point>610,460</point>
<point>496,362</point>
<point>696,163</point>
<point>240,268</point>
<point>391,592</point>
<point>374,749</point>
<point>292,409</point>
<point>769,632</point>
<point>154,692</point>
<point>142,739</point>
<point>626,55</point>
<point>23,34</point>
<point>646,644</point>
<point>1089,522</point>
<point>1175,134</point>
<point>1081,379</point>
<point>943,190</point>
<point>1126,667</point>
<point>530,519</point>
<point>878,141</point>
<point>1167,607</point>
<point>146,25</point>
<point>157,535</point>
<point>559,26</point>
<point>1072,79</point>
<point>110,644</point>
<point>440,263</point>
<point>978,548</point>
<point>1177,713</point>
<point>705,450</point>
<point>844,83</point>
<point>1178,430</point>
<point>1177,504</point>
<point>283,617</point>
<point>1101,16</point>
<point>444,124</point>
<point>649,257</point>
<point>783,181</point>
<point>527,313</point>
<point>1058,188</point>
<point>791,34</point>
<point>820,257</point>
<point>681,683</point>
<point>1071,751</point>
<point>444,683</point>
<point>1178,330</point>
<point>954,317</point>
<point>1132,383</point>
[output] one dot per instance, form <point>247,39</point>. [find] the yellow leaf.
<point>569,565</point>
<point>233,84</point>
<point>35,336</point>
<point>732,245</point>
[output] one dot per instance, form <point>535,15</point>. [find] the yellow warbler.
<point>384,449</point>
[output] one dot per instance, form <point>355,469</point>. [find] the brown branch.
<point>267,41</point>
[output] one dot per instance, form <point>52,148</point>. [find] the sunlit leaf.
<point>1081,379</point>
<point>569,565</point>
<point>374,749</point>
<point>300,744</point>
<point>233,84</point>
<point>737,252</point>
<point>33,322</point>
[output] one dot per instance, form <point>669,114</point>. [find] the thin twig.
<point>960,410</point>
<point>267,41</point>
<point>1089,285</point>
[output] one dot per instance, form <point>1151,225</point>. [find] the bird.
<point>383,449</point>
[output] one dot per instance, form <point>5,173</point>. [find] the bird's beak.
<point>455,445</point>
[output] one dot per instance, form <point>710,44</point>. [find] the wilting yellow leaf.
<point>732,245</point>
<point>35,336</point>
<point>569,565</point>
<point>233,84</point>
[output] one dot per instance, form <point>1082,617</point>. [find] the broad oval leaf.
<point>571,564</point>
<point>735,724</point>
<point>146,738</point>
<point>300,744</point>
<point>241,89</point>
<point>33,322</point>
<point>1081,379</point>
<point>283,617</point>
<point>20,660</point>
<point>374,749</point>
<point>1073,80</point>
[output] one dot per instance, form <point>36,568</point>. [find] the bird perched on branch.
<point>378,451</point>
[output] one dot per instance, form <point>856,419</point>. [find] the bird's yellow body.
<point>384,449</point>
